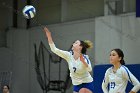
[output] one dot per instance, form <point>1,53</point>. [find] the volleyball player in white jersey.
<point>118,75</point>
<point>78,62</point>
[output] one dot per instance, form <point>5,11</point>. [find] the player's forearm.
<point>50,41</point>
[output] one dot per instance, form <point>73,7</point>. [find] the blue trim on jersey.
<point>89,86</point>
<point>128,74</point>
<point>86,59</point>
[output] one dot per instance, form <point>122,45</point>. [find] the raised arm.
<point>48,34</point>
<point>61,53</point>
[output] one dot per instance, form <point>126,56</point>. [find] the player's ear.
<point>120,58</point>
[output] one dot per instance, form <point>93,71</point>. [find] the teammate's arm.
<point>105,83</point>
<point>133,80</point>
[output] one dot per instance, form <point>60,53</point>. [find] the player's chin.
<point>111,62</point>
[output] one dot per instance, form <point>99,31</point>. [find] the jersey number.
<point>112,85</point>
<point>74,68</point>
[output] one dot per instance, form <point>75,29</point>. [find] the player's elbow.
<point>136,88</point>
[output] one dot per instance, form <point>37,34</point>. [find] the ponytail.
<point>85,45</point>
<point>88,43</point>
<point>122,62</point>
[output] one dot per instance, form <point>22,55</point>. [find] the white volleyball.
<point>29,11</point>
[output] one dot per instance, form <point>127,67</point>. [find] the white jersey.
<point>118,81</point>
<point>78,72</point>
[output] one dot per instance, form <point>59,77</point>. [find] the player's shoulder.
<point>70,54</point>
<point>109,70</point>
<point>86,56</point>
<point>124,68</point>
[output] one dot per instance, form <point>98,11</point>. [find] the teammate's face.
<point>114,57</point>
<point>76,46</point>
<point>5,89</point>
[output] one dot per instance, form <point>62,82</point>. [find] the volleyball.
<point>29,11</point>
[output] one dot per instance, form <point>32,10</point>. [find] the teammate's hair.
<point>120,54</point>
<point>85,45</point>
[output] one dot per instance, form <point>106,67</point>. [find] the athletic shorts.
<point>89,86</point>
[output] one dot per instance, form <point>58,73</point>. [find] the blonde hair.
<point>89,44</point>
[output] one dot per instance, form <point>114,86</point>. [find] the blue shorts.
<point>89,86</point>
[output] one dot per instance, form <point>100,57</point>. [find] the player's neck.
<point>76,54</point>
<point>6,92</point>
<point>116,66</point>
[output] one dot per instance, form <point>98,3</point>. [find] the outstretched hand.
<point>46,30</point>
<point>48,34</point>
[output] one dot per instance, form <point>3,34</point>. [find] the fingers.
<point>47,32</point>
<point>46,29</point>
